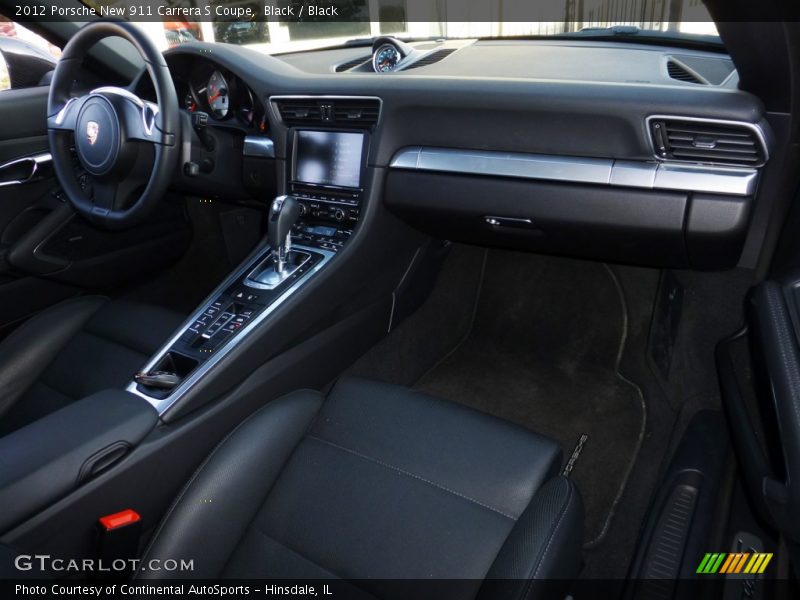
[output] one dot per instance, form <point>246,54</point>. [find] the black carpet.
<point>534,340</point>
<point>543,353</point>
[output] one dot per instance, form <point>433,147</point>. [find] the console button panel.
<point>229,313</point>
<point>327,218</point>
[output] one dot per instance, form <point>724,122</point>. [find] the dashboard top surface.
<point>587,99</point>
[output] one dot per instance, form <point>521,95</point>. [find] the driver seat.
<point>74,349</point>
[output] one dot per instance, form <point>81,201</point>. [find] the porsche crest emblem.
<point>92,129</point>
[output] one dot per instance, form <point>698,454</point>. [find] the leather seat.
<point>377,483</point>
<point>74,349</point>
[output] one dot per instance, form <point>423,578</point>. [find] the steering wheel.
<point>126,146</point>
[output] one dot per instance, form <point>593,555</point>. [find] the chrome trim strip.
<point>510,164</point>
<point>162,405</point>
<point>637,174</point>
<point>63,112</point>
<point>258,146</point>
<point>689,178</point>
<point>759,132</point>
<point>276,114</point>
<point>497,221</point>
<point>630,173</point>
<point>112,89</point>
<point>36,161</point>
<point>144,106</point>
<point>407,158</point>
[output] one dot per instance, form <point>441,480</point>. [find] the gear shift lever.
<point>283,214</point>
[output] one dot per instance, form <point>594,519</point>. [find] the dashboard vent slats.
<point>361,113</point>
<point>431,58</point>
<point>299,112</point>
<point>355,112</point>
<point>708,142</point>
<point>677,71</point>
<point>352,64</point>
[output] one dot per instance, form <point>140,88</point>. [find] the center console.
<point>326,174</point>
<point>306,229</point>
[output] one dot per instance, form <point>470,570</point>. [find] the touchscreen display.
<point>328,158</point>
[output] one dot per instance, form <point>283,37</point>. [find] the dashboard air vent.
<point>343,112</point>
<point>710,142</point>
<point>299,112</point>
<point>677,71</point>
<point>352,64</point>
<point>431,58</point>
<point>361,113</point>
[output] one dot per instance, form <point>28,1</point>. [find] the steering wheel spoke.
<point>109,195</point>
<point>140,117</point>
<point>66,117</point>
<point>105,196</point>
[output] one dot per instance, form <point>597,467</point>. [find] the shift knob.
<point>283,214</point>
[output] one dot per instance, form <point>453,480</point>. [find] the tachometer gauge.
<point>385,58</point>
<point>217,95</point>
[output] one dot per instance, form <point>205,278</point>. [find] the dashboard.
<point>611,151</point>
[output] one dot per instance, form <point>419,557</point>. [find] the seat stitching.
<point>295,552</point>
<point>554,531</point>
<point>307,559</point>
<point>413,476</point>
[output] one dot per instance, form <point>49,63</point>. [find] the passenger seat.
<point>378,483</point>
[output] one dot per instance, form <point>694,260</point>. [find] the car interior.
<point>517,315</point>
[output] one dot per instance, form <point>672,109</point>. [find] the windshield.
<point>293,25</point>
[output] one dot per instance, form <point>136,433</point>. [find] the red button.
<point>120,519</point>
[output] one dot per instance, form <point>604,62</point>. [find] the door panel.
<point>23,133</point>
<point>49,253</point>
<point>22,114</point>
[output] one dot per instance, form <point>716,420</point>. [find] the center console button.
<point>201,323</point>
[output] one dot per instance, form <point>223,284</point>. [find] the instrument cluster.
<point>224,96</point>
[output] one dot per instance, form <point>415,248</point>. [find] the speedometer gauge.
<point>217,95</point>
<point>385,58</point>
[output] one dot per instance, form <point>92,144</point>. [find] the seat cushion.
<point>377,483</point>
<point>73,350</point>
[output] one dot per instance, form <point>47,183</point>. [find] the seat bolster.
<point>27,352</point>
<point>215,508</point>
<point>542,552</point>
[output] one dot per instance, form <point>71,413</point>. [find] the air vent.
<point>431,58</point>
<point>352,64</point>
<point>299,112</point>
<point>677,71</point>
<point>361,113</point>
<point>343,112</point>
<point>709,142</point>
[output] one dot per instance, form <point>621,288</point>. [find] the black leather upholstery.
<point>73,350</point>
<point>377,483</point>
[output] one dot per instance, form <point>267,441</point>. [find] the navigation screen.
<point>328,158</point>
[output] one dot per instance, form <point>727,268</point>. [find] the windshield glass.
<point>292,25</point>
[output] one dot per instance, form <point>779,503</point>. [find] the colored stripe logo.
<point>734,562</point>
